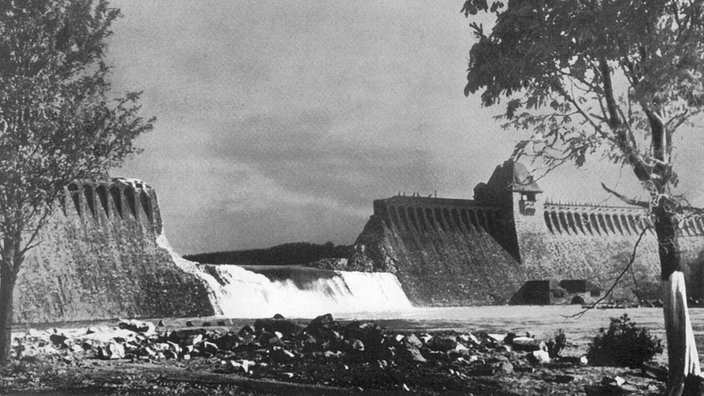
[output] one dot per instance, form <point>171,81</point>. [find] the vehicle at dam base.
<point>460,350</point>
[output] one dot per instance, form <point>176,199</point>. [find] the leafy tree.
<point>56,121</point>
<point>610,78</point>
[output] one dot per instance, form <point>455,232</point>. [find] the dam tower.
<point>513,190</point>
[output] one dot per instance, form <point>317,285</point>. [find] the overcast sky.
<point>281,121</point>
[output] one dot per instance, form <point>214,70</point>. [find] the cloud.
<point>300,153</point>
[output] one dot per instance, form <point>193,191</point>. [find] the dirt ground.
<point>324,357</point>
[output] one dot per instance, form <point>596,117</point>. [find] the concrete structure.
<point>98,258</point>
<point>481,251</point>
<point>545,292</point>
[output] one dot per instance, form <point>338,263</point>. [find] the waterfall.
<point>294,291</point>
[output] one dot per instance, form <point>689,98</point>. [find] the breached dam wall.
<point>300,292</point>
<point>442,251</point>
<point>481,251</point>
<point>98,258</point>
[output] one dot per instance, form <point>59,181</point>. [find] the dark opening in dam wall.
<point>98,258</point>
<point>457,251</point>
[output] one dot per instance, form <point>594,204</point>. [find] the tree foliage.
<point>286,254</point>
<point>608,77</point>
<point>57,122</point>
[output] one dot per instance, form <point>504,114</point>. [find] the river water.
<point>240,294</point>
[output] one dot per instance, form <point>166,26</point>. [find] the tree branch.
<point>613,286</point>
<point>625,199</point>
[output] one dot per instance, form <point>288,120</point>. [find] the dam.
<point>104,254</point>
<point>482,251</point>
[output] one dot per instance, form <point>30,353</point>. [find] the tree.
<point>610,78</point>
<point>56,121</point>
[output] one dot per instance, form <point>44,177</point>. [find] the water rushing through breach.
<point>237,292</point>
<point>298,292</point>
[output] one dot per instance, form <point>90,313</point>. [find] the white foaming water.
<point>238,293</point>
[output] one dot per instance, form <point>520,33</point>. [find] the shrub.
<point>623,344</point>
<point>557,344</point>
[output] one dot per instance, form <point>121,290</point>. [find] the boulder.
<point>527,344</point>
<point>369,335</point>
<point>310,343</point>
<point>287,328</point>
<point>58,340</point>
<point>331,354</point>
<point>504,367</point>
<point>209,347</point>
<point>357,346</point>
<point>412,340</point>
<point>322,321</point>
<point>246,331</point>
<point>416,356</point>
<point>194,339</point>
<point>227,341</point>
<point>486,340</point>
<point>137,326</point>
<point>538,357</point>
<point>459,350</point>
<point>282,355</point>
<point>469,339</point>
<point>112,350</point>
<point>271,340</point>
<point>239,366</point>
<point>172,346</point>
<point>443,343</point>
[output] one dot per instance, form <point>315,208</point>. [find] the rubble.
<point>282,349</point>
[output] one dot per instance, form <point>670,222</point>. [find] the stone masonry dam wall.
<point>457,251</point>
<point>596,243</point>
<point>98,258</point>
<point>442,250</point>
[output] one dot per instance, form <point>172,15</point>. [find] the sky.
<point>281,121</point>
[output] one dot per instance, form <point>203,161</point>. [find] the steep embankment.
<point>457,266</point>
<point>98,258</point>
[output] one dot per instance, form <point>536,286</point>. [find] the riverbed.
<point>541,321</point>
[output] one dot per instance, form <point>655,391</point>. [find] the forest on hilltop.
<point>285,254</point>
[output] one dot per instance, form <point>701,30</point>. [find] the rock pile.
<point>323,351</point>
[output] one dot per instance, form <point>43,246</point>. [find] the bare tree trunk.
<point>684,370</point>
<point>7,286</point>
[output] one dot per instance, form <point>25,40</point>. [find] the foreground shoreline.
<point>322,356</point>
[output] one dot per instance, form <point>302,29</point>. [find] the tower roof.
<point>514,177</point>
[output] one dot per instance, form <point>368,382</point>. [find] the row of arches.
<point>601,223</point>
<point>692,226</point>
<point>463,220</point>
<point>103,195</point>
